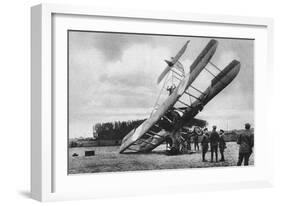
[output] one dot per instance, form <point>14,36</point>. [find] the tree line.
<point>115,130</point>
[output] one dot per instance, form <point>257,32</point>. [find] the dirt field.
<point>107,159</point>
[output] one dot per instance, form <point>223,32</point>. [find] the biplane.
<point>177,112</point>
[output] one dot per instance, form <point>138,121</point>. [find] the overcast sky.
<point>113,77</point>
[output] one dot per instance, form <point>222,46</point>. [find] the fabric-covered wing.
<point>217,85</point>
<point>148,143</point>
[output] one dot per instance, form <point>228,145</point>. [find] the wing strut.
<point>150,135</point>
<point>167,119</point>
<point>191,95</point>
<point>197,89</point>
<point>129,148</point>
<point>210,72</point>
<point>156,125</point>
<point>142,140</point>
<point>184,103</point>
<point>215,66</point>
<point>215,76</point>
<point>154,133</point>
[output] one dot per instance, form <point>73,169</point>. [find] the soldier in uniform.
<point>195,140</point>
<point>205,144</point>
<point>246,142</point>
<point>187,138</point>
<point>214,142</point>
<point>222,145</point>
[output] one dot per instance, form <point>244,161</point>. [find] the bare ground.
<point>107,159</point>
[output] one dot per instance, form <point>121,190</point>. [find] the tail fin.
<point>172,63</point>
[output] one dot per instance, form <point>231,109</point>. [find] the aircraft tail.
<point>172,63</point>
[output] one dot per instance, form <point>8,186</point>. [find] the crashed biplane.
<point>169,119</point>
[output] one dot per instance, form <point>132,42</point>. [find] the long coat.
<point>246,141</point>
<point>214,138</point>
<point>222,144</point>
<point>205,142</point>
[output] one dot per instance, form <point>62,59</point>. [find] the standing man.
<point>205,144</point>
<point>188,140</point>
<point>214,142</point>
<point>195,140</point>
<point>222,145</point>
<point>246,142</point>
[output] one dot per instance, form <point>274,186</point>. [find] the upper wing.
<point>217,85</point>
<point>202,54</point>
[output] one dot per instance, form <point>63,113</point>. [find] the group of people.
<point>217,142</point>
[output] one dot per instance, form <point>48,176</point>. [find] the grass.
<point>107,159</point>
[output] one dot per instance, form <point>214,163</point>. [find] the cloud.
<point>113,77</point>
<point>96,86</point>
<point>111,45</point>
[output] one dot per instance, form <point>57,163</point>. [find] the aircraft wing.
<point>152,126</point>
<point>147,143</point>
<point>180,53</point>
<point>217,85</point>
<point>196,122</point>
<point>174,61</point>
<point>152,139</point>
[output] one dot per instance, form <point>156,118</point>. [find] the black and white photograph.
<point>139,102</point>
<point>121,103</point>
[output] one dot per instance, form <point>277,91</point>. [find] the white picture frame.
<point>48,180</point>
